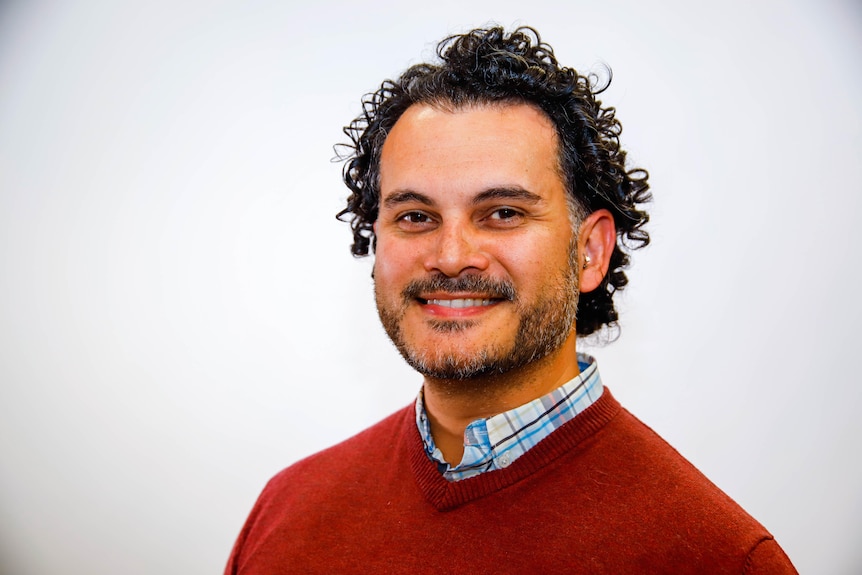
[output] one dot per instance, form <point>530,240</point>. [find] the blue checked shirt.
<point>496,442</point>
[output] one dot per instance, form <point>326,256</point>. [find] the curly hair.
<point>486,66</point>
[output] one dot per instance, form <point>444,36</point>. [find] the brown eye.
<point>504,218</point>
<point>414,221</point>
<point>415,218</point>
<point>505,214</point>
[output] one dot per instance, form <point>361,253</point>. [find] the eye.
<point>414,221</point>
<point>504,218</point>
<point>505,214</point>
<point>415,218</point>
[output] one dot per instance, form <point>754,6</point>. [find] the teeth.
<point>459,303</point>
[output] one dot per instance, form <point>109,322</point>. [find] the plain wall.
<point>180,316</point>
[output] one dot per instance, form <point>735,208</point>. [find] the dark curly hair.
<point>490,66</point>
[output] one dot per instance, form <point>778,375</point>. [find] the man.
<point>495,195</point>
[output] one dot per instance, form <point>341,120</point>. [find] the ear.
<point>597,238</point>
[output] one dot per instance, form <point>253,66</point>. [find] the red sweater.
<point>602,494</point>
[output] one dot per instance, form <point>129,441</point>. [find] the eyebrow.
<point>407,196</point>
<point>502,193</point>
<point>510,193</point>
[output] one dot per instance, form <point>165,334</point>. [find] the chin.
<point>445,359</point>
<point>455,368</point>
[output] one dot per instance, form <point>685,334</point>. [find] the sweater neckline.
<point>494,442</point>
<point>445,495</point>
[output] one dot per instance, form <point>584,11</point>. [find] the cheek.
<point>392,265</point>
<point>536,263</point>
<point>528,256</point>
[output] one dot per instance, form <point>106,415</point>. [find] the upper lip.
<point>468,287</point>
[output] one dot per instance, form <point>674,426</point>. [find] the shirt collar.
<point>495,442</point>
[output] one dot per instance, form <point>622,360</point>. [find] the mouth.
<point>468,292</point>
<point>459,303</point>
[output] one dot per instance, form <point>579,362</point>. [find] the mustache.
<point>492,288</point>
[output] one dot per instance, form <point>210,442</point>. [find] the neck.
<point>452,405</point>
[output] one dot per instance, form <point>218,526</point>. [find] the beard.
<point>544,324</point>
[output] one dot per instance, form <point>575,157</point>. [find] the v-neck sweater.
<point>602,494</point>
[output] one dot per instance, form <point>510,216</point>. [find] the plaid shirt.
<point>496,442</point>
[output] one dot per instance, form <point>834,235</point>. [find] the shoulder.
<point>311,495</point>
<point>647,463</point>
<point>367,450</point>
<point>650,488</point>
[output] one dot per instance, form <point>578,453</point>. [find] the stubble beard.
<point>543,326</point>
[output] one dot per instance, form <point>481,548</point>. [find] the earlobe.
<point>597,238</point>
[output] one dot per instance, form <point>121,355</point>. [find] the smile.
<point>460,303</point>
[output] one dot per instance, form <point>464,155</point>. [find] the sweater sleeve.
<point>768,558</point>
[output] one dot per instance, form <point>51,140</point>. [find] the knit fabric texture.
<point>602,494</point>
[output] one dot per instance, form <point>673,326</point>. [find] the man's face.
<point>474,269</point>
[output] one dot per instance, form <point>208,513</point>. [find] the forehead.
<point>432,148</point>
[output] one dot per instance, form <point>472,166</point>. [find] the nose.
<point>456,248</point>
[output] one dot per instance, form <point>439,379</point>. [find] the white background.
<point>180,317</point>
